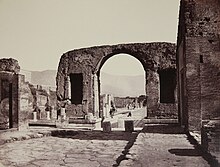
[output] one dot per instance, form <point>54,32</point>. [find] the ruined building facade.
<point>198,64</point>
<point>19,98</point>
<point>78,76</point>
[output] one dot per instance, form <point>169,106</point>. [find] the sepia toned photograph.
<point>109,83</point>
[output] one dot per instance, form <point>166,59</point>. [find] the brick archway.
<point>88,62</point>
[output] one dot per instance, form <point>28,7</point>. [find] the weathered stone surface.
<point>198,54</point>
<point>88,61</point>
<point>18,98</point>
<point>9,98</point>
<point>199,29</point>
<point>91,149</point>
<point>10,65</point>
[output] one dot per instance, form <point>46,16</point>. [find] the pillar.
<point>96,93</point>
<point>48,115</point>
<point>63,113</point>
<point>69,87</point>
<point>34,116</point>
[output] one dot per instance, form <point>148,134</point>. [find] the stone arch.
<point>104,59</point>
<point>97,75</point>
<point>88,62</point>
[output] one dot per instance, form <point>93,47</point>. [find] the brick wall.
<point>88,61</point>
<point>199,30</point>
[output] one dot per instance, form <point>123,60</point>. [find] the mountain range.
<point>122,85</point>
<point>118,85</point>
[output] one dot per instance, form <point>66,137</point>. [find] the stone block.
<point>129,126</point>
<point>106,126</point>
<point>121,123</point>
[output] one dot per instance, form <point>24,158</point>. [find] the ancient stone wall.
<point>88,62</point>
<point>18,97</point>
<point>8,99</point>
<point>9,65</point>
<point>25,102</point>
<point>198,60</point>
<point>9,69</point>
<point>124,102</point>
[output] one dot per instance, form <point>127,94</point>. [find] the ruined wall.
<point>198,60</point>
<point>29,97</point>
<point>9,69</point>
<point>8,99</point>
<point>123,102</point>
<point>25,102</point>
<point>88,62</point>
<point>18,97</point>
<point>9,65</point>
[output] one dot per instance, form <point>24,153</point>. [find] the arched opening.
<point>122,84</point>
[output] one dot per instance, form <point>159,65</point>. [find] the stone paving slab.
<point>153,146</point>
<point>10,136</point>
<point>165,148</point>
<point>82,149</point>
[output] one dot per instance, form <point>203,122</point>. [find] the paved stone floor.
<point>153,147</point>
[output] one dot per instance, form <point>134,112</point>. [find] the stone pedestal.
<point>106,126</point>
<point>89,117</point>
<point>48,115</point>
<point>53,114</point>
<point>129,126</point>
<point>63,113</point>
<point>121,123</point>
<point>61,123</point>
<point>34,116</point>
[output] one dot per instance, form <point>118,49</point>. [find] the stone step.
<point>42,123</point>
<point>80,126</point>
<point>160,121</point>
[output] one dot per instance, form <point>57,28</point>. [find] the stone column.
<point>96,93</point>
<point>63,113</point>
<point>53,113</point>
<point>48,115</point>
<point>69,87</point>
<point>34,116</point>
<point>152,91</point>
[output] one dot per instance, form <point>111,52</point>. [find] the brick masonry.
<point>198,64</point>
<point>88,62</point>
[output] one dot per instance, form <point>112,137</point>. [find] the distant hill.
<point>120,86</point>
<point>47,77</point>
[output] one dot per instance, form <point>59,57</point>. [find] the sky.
<point>38,32</point>
<point>123,64</point>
